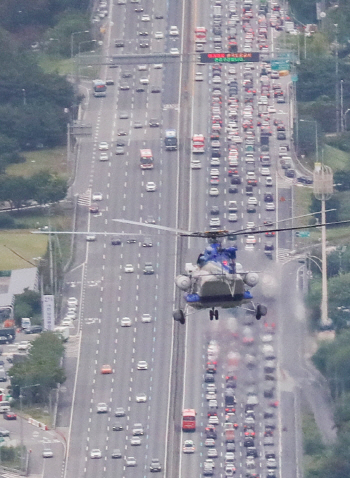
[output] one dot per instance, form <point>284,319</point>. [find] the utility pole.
<point>341,107</point>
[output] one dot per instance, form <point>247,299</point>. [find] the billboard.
<point>229,57</point>
<point>48,305</point>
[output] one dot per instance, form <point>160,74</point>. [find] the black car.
<point>230,446</point>
<point>158,16</point>
<point>290,173</point>
<point>248,442</point>
<point>119,43</point>
<point>148,269</point>
<point>116,453</point>
<point>217,31</point>
<point>236,180</point>
<point>268,197</point>
<point>252,451</point>
<point>251,208</point>
<point>140,89</point>
<point>281,135</point>
<point>154,123</point>
<point>116,241</point>
<point>231,383</point>
<point>126,74</point>
<point>216,154</point>
<point>304,180</point>
<point>34,329</point>
<point>209,378</point>
<point>233,190</point>
<point>117,427</point>
<point>131,241</point>
<point>144,44</point>
<point>155,89</point>
<point>214,211</point>
<point>269,247</point>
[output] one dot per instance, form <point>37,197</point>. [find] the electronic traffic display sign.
<point>229,57</point>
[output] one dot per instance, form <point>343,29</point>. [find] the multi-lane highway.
<point>240,100</point>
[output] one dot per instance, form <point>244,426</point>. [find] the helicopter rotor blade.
<point>153,226</point>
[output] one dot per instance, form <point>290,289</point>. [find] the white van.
<point>5,406</point>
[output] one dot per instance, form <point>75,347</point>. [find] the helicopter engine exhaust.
<point>251,279</point>
<point>183,282</point>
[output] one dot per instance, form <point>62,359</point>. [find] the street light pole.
<point>72,45</point>
<point>341,107</point>
<point>21,409</point>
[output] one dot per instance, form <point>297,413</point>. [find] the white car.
<point>252,201</point>
<point>196,163</point>
<point>251,240</point>
<point>128,268</point>
<point>130,461</point>
<point>213,420</point>
<point>158,66</point>
<point>249,247</point>
<point>151,186</point>
<point>67,322</point>
<point>104,157</point>
<point>23,345</point>
<point>174,31</point>
<point>145,18</point>
<point>271,109</point>
<point>144,81</point>
<point>125,322</point>
<point>158,35</point>
<point>47,453</point>
<point>199,76</point>
<point>188,446</point>
<point>232,217</point>
<point>214,221</point>
<point>103,146</point>
<point>145,318</point>
<point>174,51</point>
<point>102,407</point>
<point>267,338</point>
<point>97,196</point>
<point>72,302</point>
<point>213,192</point>
<point>212,453</point>
<point>141,398</point>
<point>268,181</point>
<point>270,206</point>
<point>95,453</point>
<point>142,365</point>
<point>265,172</point>
<point>134,441</point>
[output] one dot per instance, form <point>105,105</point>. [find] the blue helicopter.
<point>217,280</point>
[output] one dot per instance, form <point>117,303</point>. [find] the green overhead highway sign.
<point>280,65</point>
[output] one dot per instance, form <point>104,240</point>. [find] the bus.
<point>198,143</point>
<point>146,159</point>
<point>99,87</point>
<point>170,140</point>
<point>189,420</point>
<point>200,34</point>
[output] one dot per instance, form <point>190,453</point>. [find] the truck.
<point>99,87</point>
<point>62,332</point>
<point>229,433</point>
<point>170,140</point>
<point>198,143</point>
<point>26,323</point>
<point>146,159</point>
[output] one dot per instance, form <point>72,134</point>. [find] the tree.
<point>42,367</point>
<point>26,304</point>
<point>48,188</point>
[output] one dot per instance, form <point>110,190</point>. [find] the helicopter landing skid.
<point>259,310</point>
<point>213,313</point>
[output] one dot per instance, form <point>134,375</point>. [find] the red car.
<point>10,416</point>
